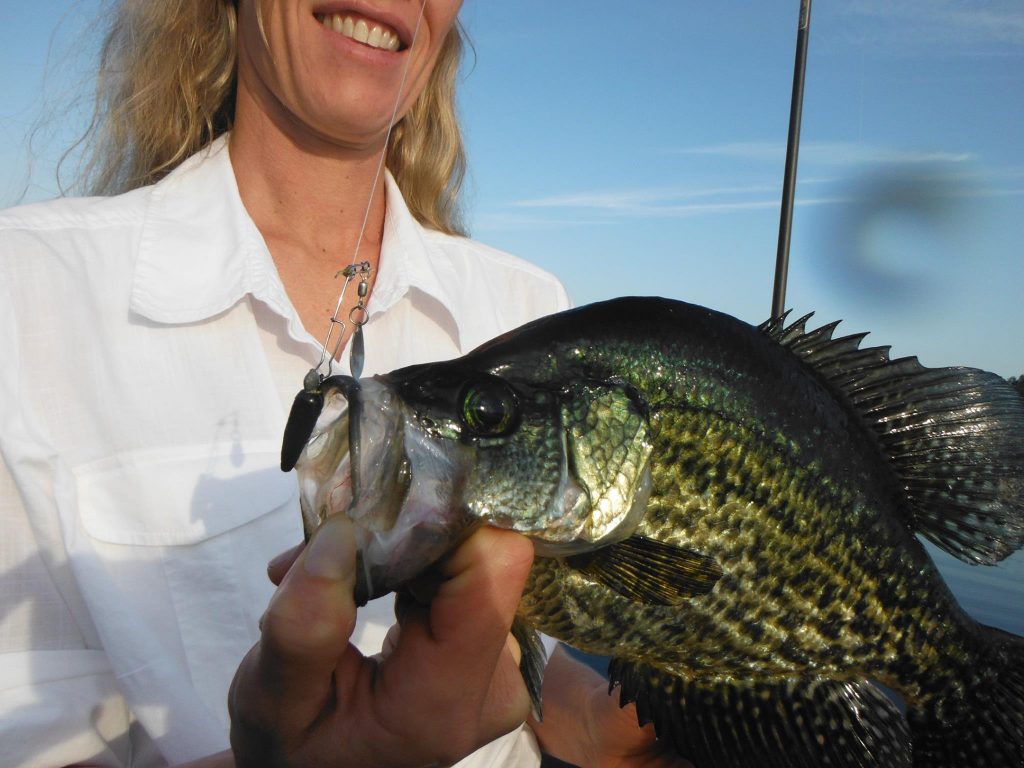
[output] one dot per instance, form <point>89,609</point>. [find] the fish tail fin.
<point>983,723</point>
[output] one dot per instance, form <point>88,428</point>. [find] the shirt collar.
<point>412,260</point>
<point>200,252</point>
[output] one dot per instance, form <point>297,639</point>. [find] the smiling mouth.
<point>369,33</point>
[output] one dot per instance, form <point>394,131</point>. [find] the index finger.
<point>307,626</point>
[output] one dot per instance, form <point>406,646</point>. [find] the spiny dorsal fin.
<point>954,436</point>
<point>786,723</point>
<point>649,571</point>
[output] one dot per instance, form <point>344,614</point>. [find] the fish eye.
<point>489,407</point>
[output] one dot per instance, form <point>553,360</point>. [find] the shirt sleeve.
<point>59,702</point>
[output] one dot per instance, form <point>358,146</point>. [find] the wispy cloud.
<point>997,192</point>
<point>827,153</point>
<point>957,24</point>
<point>662,202</point>
<point>947,175</point>
<point>693,209</point>
<point>502,220</point>
<point>640,197</point>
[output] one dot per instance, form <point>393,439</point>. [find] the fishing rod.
<point>792,148</point>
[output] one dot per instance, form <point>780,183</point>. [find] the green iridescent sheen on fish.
<point>731,513</point>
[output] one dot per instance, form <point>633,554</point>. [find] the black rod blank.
<point>792,149</point>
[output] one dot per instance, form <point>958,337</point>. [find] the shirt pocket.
<point>173,564</point>
<point>180,495</point>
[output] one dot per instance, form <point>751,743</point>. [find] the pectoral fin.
<point>649,571</point>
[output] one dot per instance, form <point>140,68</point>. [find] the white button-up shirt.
<point>148,357</point>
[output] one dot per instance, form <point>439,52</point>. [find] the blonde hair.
<point>166,88</point>
<point>425,153</point>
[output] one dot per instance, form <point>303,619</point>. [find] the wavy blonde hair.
<point>166,88</point>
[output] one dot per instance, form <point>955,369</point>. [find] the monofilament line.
<point>369,200</point>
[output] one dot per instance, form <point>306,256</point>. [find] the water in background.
<point>993,595</point>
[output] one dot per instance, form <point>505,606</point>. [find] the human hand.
<point>584,725</point>
<point>305,696</point>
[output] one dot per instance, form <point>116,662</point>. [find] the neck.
<point>303,190</point>
<point>308,198</point>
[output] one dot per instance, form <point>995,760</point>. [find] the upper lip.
<point>361,8</point>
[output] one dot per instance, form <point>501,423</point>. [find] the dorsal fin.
<point>954,437</point>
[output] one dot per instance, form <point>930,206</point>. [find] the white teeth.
<point>375,36</point>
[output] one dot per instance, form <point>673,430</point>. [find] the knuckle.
<point>303,625</point>
<point>510,551</point>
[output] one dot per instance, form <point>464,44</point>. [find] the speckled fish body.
<point>731,513</point>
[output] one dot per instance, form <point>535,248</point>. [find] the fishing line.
<point>358,314</point>
<point>309,402</point>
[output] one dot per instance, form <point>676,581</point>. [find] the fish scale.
<point>732,515</point>
<point>741,529</point>
<point>804,540</point>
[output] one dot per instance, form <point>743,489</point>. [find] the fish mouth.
<point>387,561</point>
<point>410,515</point>
<point>397,484</point>
<point>378,541</point>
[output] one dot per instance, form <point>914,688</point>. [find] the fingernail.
<point>331,553</point>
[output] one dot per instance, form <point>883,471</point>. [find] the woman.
<point>152,343</point>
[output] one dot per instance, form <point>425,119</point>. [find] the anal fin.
<point>788,723</point>
<point>532,662</point>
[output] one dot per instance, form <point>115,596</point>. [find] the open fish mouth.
<point>416,460</point>
<point>369,460</point>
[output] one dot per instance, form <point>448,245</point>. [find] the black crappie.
<point>727,511</point>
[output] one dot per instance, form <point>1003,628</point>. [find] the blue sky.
<point>640,152</point>
<point>638,149</point>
